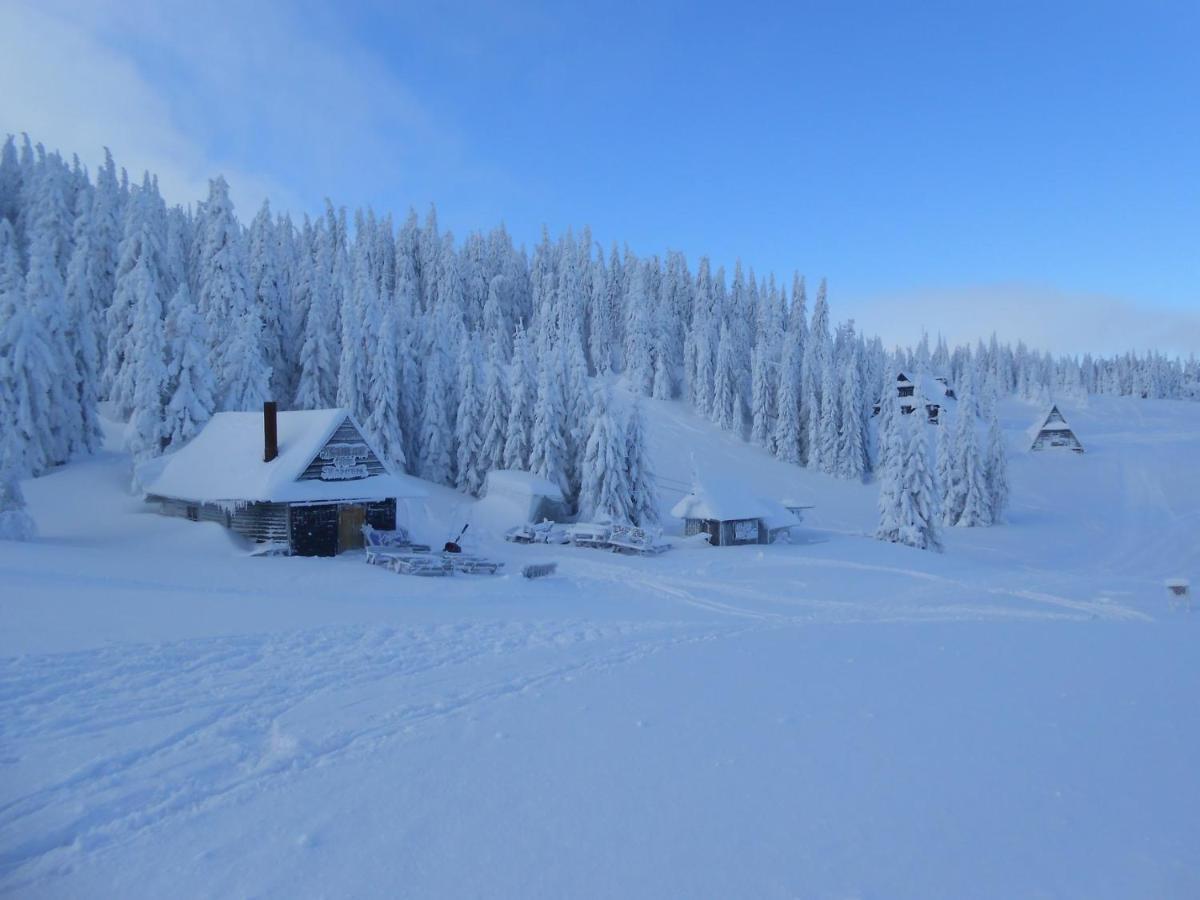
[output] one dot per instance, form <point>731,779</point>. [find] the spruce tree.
<point>605,493</point>
<point>190,387</point>
<point>471,468</point>
<point>643,502</point>
<point>517,439</point>
<point>495,410</point>
<point>997,471</point>
<point>548,439</point>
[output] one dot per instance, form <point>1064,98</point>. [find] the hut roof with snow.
<point>1054,434</point>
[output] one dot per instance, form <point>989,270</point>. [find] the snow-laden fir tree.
<point>494,427</point>
<point>45,293</point>
<point>907,500</point>
<point>997,471</point>
<point>643,497</point>
<point>818,353</point>
<point>762,432</point>
<point>385,418</point>
<point>471,469</point>
<point>951,494</point>
<point>222,291</point>
<point>826,445</point>
<point>726,408</point>
<point>267,291</point>
<point>605,493</point>
<point>789,426</point>
<point>16,524</point>
<point>521,397</point>
<point>436,439</point>
<point>851,445</point>
<point>548,434</point>
<point>145,434</point>
<point>975,510</point>
<point>190,386</point>
<point>27,367</point>
<point>84,300</point>
<point>317,384</point>
<point>639,349</point>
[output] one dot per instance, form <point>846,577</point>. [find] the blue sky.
<point>1030,168</point>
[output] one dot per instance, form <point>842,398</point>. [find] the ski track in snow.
<point>215,707</point>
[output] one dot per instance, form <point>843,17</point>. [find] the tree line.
<point>455,356</point>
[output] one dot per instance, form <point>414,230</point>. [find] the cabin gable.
<point>346,456</point>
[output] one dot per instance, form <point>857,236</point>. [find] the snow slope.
<point>834,718</point>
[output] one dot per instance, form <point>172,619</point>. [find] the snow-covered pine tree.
<point>145,434</point>
<point>762,431</point>
<point>997,471</point>
<point>83,302</point>
<point>436,439</point>
<point>471,468</point>
<point>639,349</point>
<point>789,426</point>
<point>267,293</point>
<point>45,293</point>
<point>907,501</point>
<point>190,386</point>
<point>495,410</point>
<point>826,445</point>
<point>521,396</point>
<point>601,325</point>
<point>971,468</point>
<point>384,421</point>
<point>317,384</point>
<point>27,367</point>
<point>817,358</point>
<point>851,446</point>
<point>948,477</point>
<point>643,495</point>
<point>605,493</point>
<point>725,409</point>
<point>548,438</point>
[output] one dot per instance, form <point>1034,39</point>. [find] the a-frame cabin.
<point>305,481</point>
<point>1055,434</point>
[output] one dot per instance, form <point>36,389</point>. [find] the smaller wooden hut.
<point>731,516</point>
<point>1055,434</point>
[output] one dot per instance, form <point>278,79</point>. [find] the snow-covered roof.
<point>726,500</point>
<point>515,483</point>
<point>224,463</point>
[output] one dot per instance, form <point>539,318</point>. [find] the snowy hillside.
<point>838,717</point>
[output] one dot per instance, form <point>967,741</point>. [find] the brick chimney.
<point>270,431</point>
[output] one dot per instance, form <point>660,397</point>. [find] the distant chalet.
<point>1055,434</point>
<point>306,481</point>
<point>932,393</point>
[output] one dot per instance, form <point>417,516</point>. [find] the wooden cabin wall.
<point>265,522</point>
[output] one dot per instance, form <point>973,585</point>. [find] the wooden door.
<point>350,523</point>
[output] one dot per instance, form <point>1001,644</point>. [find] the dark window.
<point>193,513</point>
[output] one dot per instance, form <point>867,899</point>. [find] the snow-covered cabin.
<point>933,392</point>
<point>730,516</point>
<point>1054,434</point>
<point>525,496</point>
<point>307,480</point>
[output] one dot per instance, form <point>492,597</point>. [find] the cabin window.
<point>906,390</point>
<point>746,530</point>
<point>193,513</point>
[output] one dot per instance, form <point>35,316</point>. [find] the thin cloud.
<point>1043,317</point>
